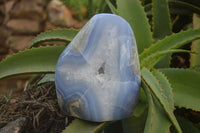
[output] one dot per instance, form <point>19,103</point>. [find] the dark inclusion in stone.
<point>101,69</point>
<point>98,74</point>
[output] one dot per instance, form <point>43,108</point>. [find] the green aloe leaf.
<point>161,26</point>
<point>142,104</point>
<point>176,7</point>
<point>161,19</point>
<point>144,2</point>
<point>35,60</point>
<point>135,124</point>
<point>195,59</point>
<point>187,126</point>
<point>165,87</point>
<point>112,7</point>
<point>172,42</point>
<point>55,35</point>
<point>50,77</point>
<point>181,7</point>
<point>133,12</point>
<point>151,60</point>
<point>186,87</point>
<point>82,126</point>
<point>155,88</point>
<point>157,120</point>
<point>114,127</point>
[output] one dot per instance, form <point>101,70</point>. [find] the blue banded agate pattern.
<point>98,74</point>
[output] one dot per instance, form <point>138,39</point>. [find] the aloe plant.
<point>163,88</point>
<point>194,60</point>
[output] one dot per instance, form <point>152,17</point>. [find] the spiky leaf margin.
<point>54,35</point>
<point>35,60</point>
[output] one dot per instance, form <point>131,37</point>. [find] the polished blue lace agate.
<point>98,74</point>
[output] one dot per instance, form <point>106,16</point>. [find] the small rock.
<point>19,43</point>
<point>9,5</point>
<point>13,100</point>
<point>28,9</point>
<point>42,2</point>
<point>15,126</point>
<point>24,26</point>
<point>59,14</point>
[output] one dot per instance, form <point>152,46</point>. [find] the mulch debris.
<point>36,111</point>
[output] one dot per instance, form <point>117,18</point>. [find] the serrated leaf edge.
<point>45,33</point>
<point>148,51</point>
<point>172,96</point>
<point>170,115</point>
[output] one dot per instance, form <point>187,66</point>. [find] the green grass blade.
<point>172,42</point>
<point>35,60</point>
<point>195,58</point>
<point>186,87</point>
<point>156,114</point>
<point>155,87</point>
<point>133,12</point>
<point>112,8</point>
<point>55,35</point>
<point>161,19</point>
<point>82,126</point>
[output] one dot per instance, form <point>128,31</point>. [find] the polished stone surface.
<point>98,74</point>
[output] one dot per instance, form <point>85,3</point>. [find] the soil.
<point>36,111</point>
